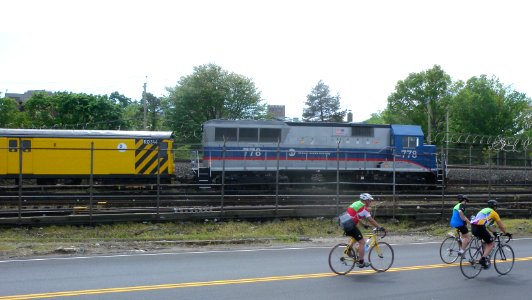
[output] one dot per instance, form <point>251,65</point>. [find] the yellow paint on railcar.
<point>3,156</point>
<point>72,156</point>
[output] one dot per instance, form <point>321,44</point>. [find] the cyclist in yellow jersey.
<point>480,224</point>
<point>356,211</point>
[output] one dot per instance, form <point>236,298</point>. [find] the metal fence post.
<point>470,165</point>
<point>277,177</point>
<point>91,183</point>
<point>443,159</point>
<point>489,174</point>
<point>393,185</point>
<point>20,181</point>
<point>526,164</point>
<point>223,176</point>
<point>338,177</point>
<point>158,179</point>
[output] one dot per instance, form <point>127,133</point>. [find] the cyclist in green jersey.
<point>480,225</point>
<point>356,211</point>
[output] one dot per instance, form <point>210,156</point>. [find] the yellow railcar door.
<point>14,157</point>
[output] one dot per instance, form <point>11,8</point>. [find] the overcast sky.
<point>360,49</point>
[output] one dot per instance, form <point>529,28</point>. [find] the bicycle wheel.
<point>339,262</point>
<point>449,250</point>
<point>380,256</point>
<point>469,262</point>
<point>474,243</point>
<point>503,260</point>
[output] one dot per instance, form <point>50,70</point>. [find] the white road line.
<point>203,252</point>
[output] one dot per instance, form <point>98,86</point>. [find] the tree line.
<point>482,105</point>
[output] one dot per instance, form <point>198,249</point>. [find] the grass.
<point>38,240</point>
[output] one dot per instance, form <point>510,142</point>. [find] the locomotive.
<point>70,156</point>
<point>244,151</point>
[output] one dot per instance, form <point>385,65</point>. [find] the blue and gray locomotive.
<point>244,151</point>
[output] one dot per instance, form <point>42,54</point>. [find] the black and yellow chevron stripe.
<point>146,159</point>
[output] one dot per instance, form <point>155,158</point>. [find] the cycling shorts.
<point>481,232</point>
<point>463,229</point>
<point>353,232</point>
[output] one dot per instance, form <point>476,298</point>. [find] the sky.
<point>360,49</point>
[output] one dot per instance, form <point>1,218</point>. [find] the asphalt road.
<point>287,273</point>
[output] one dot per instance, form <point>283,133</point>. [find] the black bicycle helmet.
<point>492,203</point>
<point>462,198</point>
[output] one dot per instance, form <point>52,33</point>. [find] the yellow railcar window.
<point>13,145</point>
<point>26,146</point>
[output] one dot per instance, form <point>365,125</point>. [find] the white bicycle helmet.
<point>366,197</point>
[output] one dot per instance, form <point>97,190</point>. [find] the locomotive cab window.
<point>270,135</point>
<point>163,149</point>
<point>229,134</point>
<point>248,135</point>
<point>410,141</point>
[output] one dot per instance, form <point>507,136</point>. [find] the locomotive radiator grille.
<point>146,158</point>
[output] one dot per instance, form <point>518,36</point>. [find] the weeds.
<point>37,240</point>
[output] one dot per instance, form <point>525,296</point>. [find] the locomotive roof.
<point>290,123</point>
<point>245,122</point>
<point>84,133</point>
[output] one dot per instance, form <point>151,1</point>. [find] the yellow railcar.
<point>109,155</point>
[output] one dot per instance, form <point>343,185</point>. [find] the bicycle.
<point>452,244</point>
<point>343,258</point>
<point>503,258</point>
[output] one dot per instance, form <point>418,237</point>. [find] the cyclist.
<point>357,211</point>
<point>479,227</point>
<point>460,221</point>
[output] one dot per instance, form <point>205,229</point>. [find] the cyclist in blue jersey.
<point>460,221</point>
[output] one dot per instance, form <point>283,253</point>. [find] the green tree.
<point>120,99</point>
<point>419,98</point>
<point>376,118</point>
<point>133,116</point>
<point>70,110</point>
<point>210,93</point>
<point>321,106</point>
<point>8,113</point>
<point>154,111</point>
<point>485,106</point>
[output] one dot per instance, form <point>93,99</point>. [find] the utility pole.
<point>429,121</point>
<point>145,100</point>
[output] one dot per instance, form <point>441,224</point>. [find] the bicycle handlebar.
<point>375,230</point>
<point>507,235</point>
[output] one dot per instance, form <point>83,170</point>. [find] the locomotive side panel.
<point>301,147</point>
<point>358,151</point>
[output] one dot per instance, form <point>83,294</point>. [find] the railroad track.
<point>59,204</point>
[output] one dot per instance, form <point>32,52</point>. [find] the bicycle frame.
<point>372,237</point>
<point>380,255</point>
<point>498,244</point>
<point>502,253</point>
